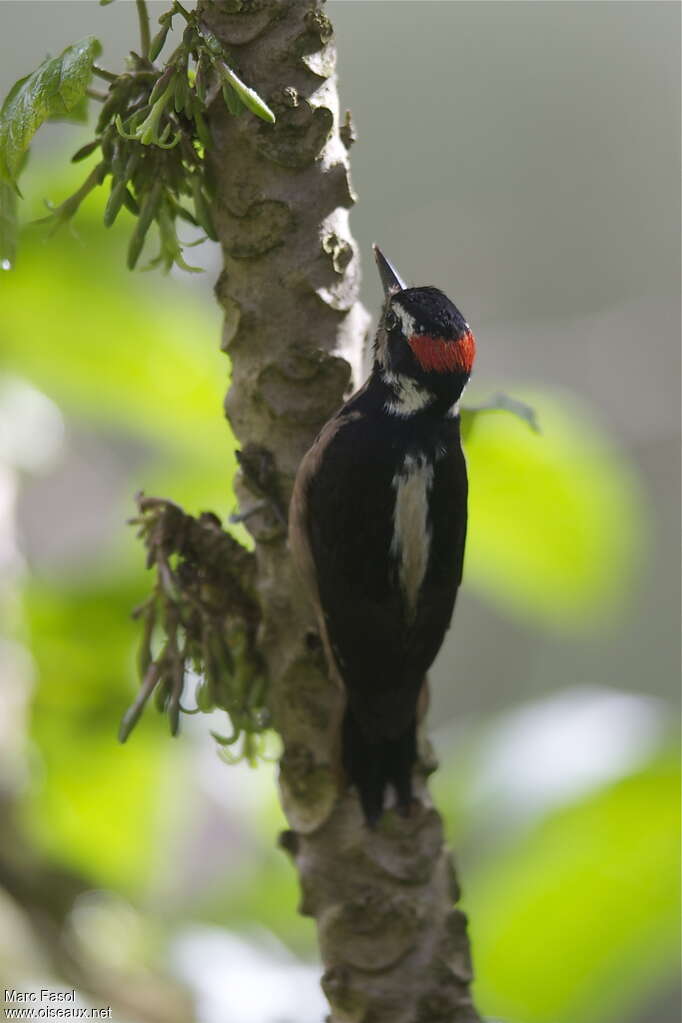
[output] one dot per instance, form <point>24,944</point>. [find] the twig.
<point>61,213</point>
<point>182,10</point>
<point>108,76</point>
<point>143,18</point>
<point>502,402</point>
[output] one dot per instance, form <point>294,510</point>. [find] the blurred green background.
<point>525,158</point>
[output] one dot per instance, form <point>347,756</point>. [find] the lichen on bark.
<point>393,945</point>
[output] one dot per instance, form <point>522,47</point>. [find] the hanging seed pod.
<point>132,715</point>
<point>130,203</point>
<point>119,189</point>
<point>180,211</point>
<point>247,95</point>
<point>169,241</point>
<point>202,210</point>
<point>203,697</point>
<point>161,84</point>
<point>118,159</point>
<point>188,38</point>
<point>108,143</point>
<point>159,41</point>
<point>200,79</point>
<point>115,103</point>
<point>85,151</point>
<point>114,202</point>
<point>181,96</point>
<point>203,134</point>
<point>144,653</point>
<point>255,692</point>
<point>148,212</point>
<point>161,694</point>
<point>222,651</point>
<point>177,684</point>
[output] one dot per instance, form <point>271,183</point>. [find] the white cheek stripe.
<point>408,396</point>
<point>411,541</point>
<point>408,322</point>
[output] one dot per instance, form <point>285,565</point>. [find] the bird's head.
<point>422,340</point>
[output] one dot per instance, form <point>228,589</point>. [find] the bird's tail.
<point>373,763</point>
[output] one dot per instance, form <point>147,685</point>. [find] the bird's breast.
<point>411,537</point>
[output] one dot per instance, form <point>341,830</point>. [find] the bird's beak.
<point>390,278</point>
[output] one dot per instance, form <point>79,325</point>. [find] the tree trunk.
<point>394,947</point>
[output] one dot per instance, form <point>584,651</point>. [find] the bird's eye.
<point>391,320</point>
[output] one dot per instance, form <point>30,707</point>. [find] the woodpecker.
<point>377,529</point>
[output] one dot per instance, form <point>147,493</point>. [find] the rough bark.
<point>393,945</point>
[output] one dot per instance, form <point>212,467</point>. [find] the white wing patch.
<point>411,540</point>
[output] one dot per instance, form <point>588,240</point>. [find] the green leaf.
<point>78,114</point>
<point>115,351</point>
<point>93,806</point>
<point>500,402</point>
<point>579,921</point>
<point>55,90</point>
<point>556,524</point>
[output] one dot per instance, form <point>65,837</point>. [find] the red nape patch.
<point>435,354</point>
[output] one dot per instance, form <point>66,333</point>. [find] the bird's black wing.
<point>346,505</point>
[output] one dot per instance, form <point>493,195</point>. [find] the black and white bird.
<point>377,529</point>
